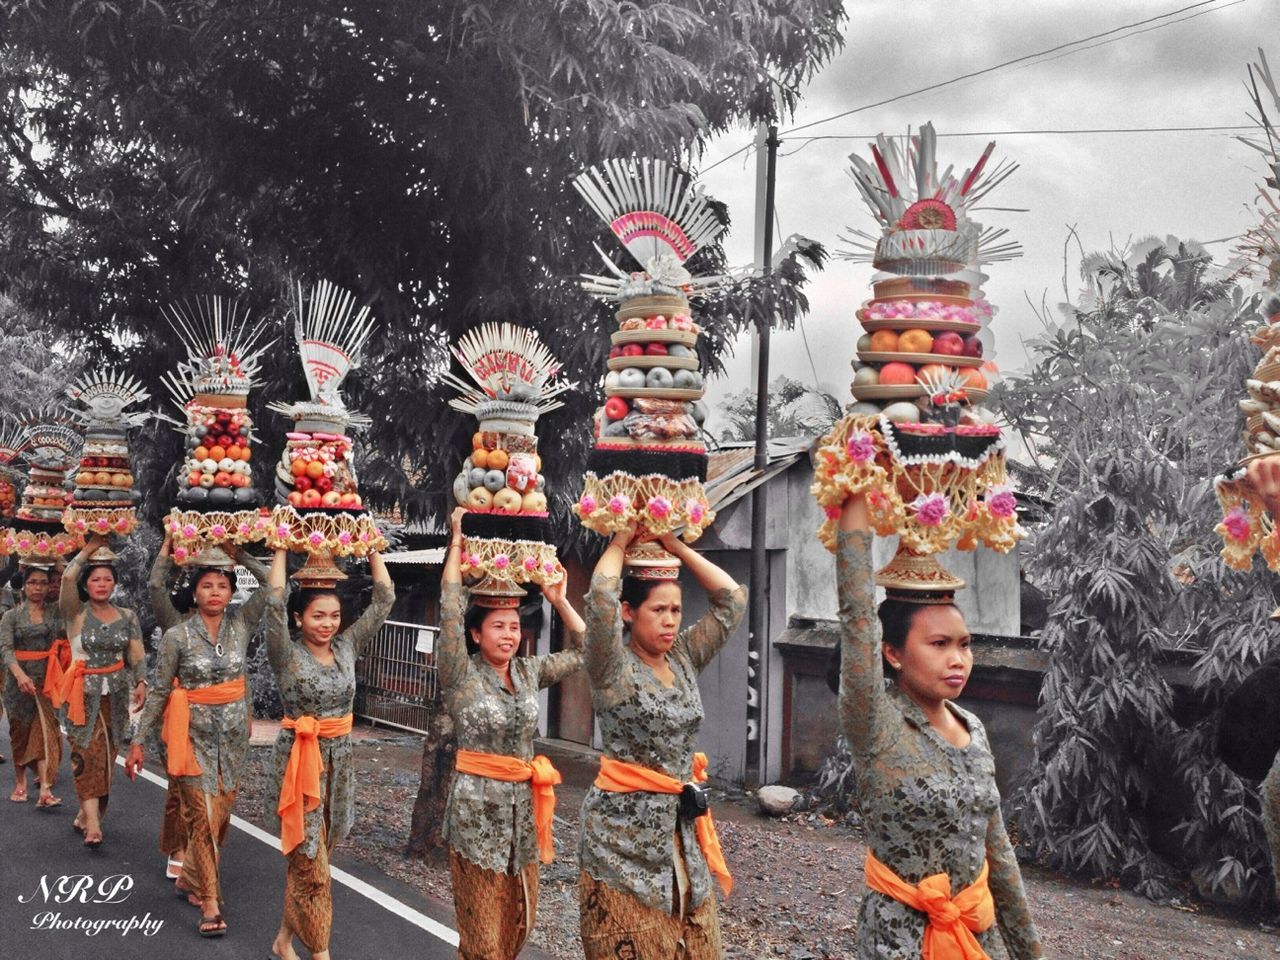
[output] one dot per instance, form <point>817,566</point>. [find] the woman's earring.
<point>896,666</point>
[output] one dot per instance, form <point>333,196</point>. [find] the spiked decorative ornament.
<point>103,499</point>
<point>217,503</point>
<point>662,220</point>
<point>501,484</point>
<point>13,442</point>
<point>322,512</point>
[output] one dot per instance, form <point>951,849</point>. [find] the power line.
<point>1016,60</point>
<point>1063,131</point>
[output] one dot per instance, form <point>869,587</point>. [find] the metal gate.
<point>396,677</point>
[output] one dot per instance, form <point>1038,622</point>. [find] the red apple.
<point>633,350</point>
<point>615,352</point>
<point>656,349</point>
<point>311,498</point>
<point>972,346</point>
<point>302,484</point>
<point>347,500</point>
<point>324,484</point>
<point>357,502</point>
<point>331,499</point>
<point>615,408</point>
<point>949,343</point>
<point>295,499</point>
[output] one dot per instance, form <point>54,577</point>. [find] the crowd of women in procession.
<point>648,854</point>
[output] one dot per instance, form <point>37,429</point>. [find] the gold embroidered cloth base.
<point>524,561</point>
<point>340,534</point>
<point>653,502</point>
<point>192,530</point>
<point>930,504</point>
<point>103,521</point>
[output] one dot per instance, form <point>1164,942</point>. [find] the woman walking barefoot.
<point>314,770</point>
<point>498,819</point>
<point>34,652</point>
<point>201,691</point>
<point>647,858</point>
<point>107,662</point>
<point>940,868</point>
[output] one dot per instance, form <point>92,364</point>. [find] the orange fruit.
<point>233,451</point>
<point>217,453</point>
<point>298,468</point>
<point>974,380</point>
<point>537,463</point>
<point>480,458</point>
<point>498,460</point>
<point>201,452</point>
<point>884,341</point>
<point>315,469</point>
<point>915,341</point>
<point>245,453</point>
<point>897,374</point>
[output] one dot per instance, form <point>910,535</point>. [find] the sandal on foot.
<point>19,795</point>
<point>48,801</point>
<point>213,926</point>
<point>93,838</point>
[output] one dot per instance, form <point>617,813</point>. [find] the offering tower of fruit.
<point>217,502</point>
<point>103,500</point>
<point>12,443</point>
<point>323,513</point>
<point>506,532</point>
<point>930,458</point>
<point>648,464</point>
<point>51,448</point>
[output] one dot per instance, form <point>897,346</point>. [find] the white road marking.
<point>368,891</point>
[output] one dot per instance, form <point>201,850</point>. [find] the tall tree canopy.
<point>417,152</point>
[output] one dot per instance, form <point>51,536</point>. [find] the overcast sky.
<point>1112,187</point>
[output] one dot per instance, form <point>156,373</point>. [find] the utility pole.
<point>758,601</point>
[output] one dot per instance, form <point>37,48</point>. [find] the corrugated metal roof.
<point>731,472</point>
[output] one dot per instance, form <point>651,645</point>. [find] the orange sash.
<point>72,690</point>
<point>618,776</point>
<point>176,730</point>
<point>539,771</point>
<point>300,789</point>
<point>953,921</point>
<point>59,658</point>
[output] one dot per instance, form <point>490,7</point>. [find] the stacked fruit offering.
<point>315,472</point>
<point>51,447</point>
<point>12,443</point>
<point>648,465</point>
<point>103,499</point>
<point>506,534</point>
<point>322,513</point>
<point>217,502</point>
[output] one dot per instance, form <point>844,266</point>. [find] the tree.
<point>1130,408</point>
<point>417,152</point>
<point>795,410</point>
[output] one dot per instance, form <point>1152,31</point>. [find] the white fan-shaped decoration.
<point>331,331</point>
<point>13,441</point>
<point>657,213</point>
<point>49,434</point>
<point>110,384</point>
<point>224,350</point>
<point>506,362</point>
<point>905,191</point>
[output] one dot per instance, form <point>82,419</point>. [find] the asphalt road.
<point>59,899</point>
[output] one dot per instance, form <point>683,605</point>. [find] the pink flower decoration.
<point>180,553</point>
<point>501,561</point>
<point>1001,502</point>
<point>344,538</point>
<point>189,531</point>
<point>473,560</point>
<point>531,564</point>
<point>102,525</point>
<point>619,504</point>
<point>316,538</point>
<point>548,566</point>
<point>364,538</point>
<point>861,446</point>
<point>24,544</point>
<point>587,504</point>
<point>833,513</point>
<point>174,526</point>
<point>1237,523</point>
<point>218,530</point>
<point>932,509</point>
<point>282,530</point>
<point>659,507</point>
<point>695,510</point>
<point>81,526</point>
<point>122,524</point>
<point>244,530</point>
